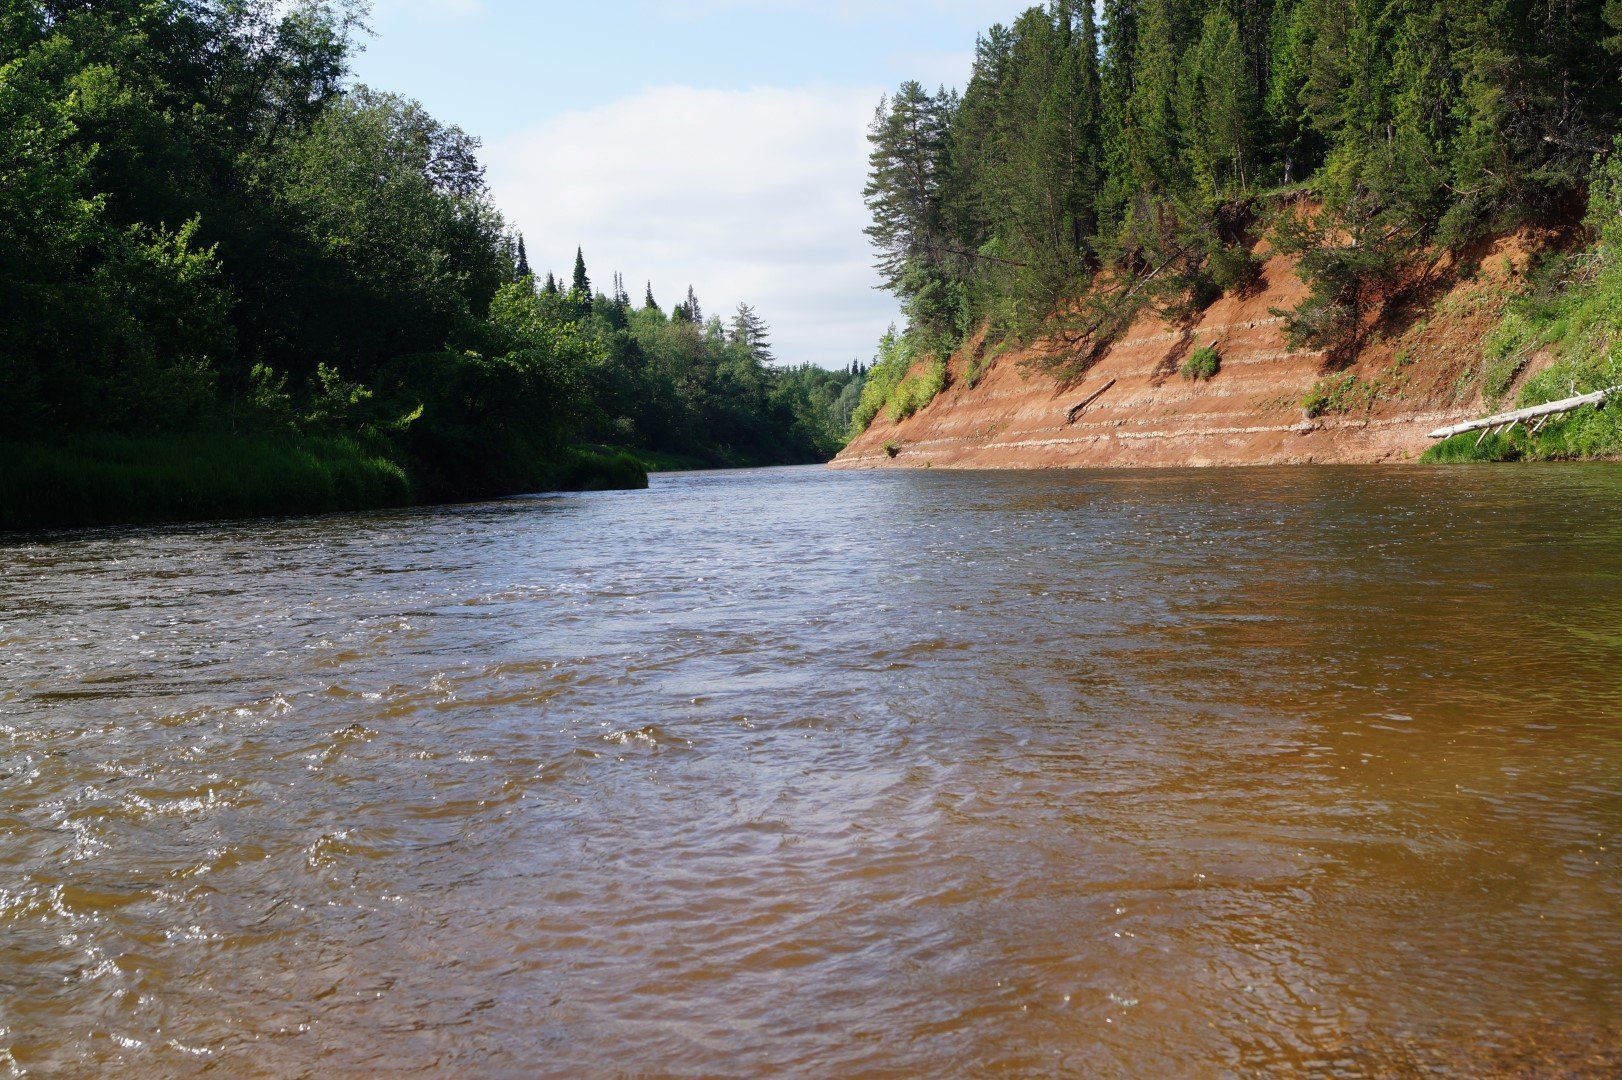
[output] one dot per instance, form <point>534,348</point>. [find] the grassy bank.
<point>106,480</point>
<point>1570,312</point>
<point>1573,310</point>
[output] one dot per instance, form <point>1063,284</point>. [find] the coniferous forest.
<point>1111,158</point>
<point>232,284</point>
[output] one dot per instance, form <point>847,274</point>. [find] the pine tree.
<point>650,303</point>
<point>551,286</point>
<point>695,314</point>
<point>750,330</point>
<point>523,258</point>
<point>905,170</point>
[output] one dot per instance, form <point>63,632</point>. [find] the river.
<point>1289,771</point>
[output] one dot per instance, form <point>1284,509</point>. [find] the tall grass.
<point>89,480</point>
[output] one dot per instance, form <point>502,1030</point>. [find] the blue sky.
<point>717,143</point>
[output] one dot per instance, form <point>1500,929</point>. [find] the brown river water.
<point>1303,771</point>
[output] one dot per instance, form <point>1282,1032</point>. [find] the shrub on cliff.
<point>1202,364</point>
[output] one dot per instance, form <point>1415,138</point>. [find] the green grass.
<point>1462,449</point>
<point>91,480</point>
<point>1342,393</point>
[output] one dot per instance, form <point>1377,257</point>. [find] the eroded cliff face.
<point>1420,370</point>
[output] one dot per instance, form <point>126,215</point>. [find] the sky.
<point>713,143</point>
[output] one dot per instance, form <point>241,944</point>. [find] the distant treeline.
<point>206,240</point>
<point>1103,160</point>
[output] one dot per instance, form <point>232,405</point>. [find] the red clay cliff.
<point>1420,371</point>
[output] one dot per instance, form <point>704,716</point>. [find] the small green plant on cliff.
<point>1202,364</point>
<point>1340,393</point>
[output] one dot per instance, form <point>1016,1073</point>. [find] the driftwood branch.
<point>1536,412</point>
<point>1079,409</point>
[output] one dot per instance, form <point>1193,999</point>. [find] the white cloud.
<point>749,195</point>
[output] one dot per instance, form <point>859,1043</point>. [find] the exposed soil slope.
<point>1420,370</point>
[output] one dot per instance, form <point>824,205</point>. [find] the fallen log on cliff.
<point>1510,419</point>
<point>1079,409</point>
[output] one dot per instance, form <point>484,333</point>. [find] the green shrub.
<point>581,468</point>
<point>1202,364</point>
<point>1234,269</point>
<point>883,378</point>
<point>916,391</point>
<point>1572,307</point>
<point>1508,349</point>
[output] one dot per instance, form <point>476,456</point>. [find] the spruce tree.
<point>523,258</point>
<point>582,283</point>
<point>650,303</point>
<point>1156,159</point>
<point>750,331</point>
<point>1118,43</point>
<point>1219,110</point>
<point>580,290</point>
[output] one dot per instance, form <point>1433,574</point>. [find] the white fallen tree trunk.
<point>1510,419</point>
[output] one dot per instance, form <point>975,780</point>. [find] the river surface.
<point>1303,771</point>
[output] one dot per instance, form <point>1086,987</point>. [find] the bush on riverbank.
<point>92,480</point>
<point>595,468</point>
<point>149,479</point>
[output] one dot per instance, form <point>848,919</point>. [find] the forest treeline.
<point>1103,159</point>
<point>231,283</point>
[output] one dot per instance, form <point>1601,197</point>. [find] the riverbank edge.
<point>152,480</point>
